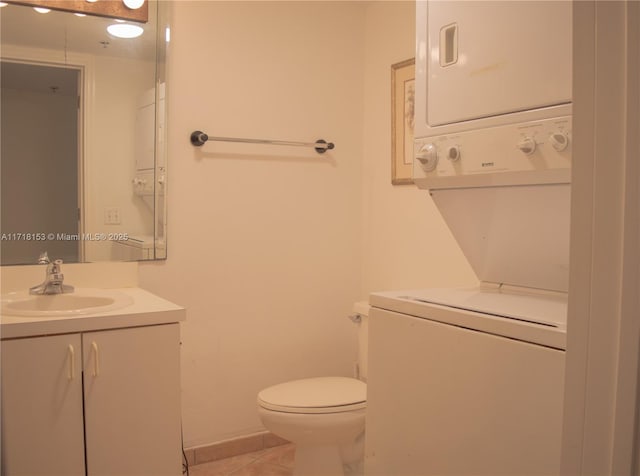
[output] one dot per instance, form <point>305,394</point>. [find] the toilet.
<point>323,416</point>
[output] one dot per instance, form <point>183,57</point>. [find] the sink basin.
<point>80,302</point>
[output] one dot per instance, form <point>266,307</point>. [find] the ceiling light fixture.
<point>133,4</point>
<point>3,4</point>
<point>41,10</point>
<point>125,30</point>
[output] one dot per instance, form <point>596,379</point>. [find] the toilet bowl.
<point>324,417</point>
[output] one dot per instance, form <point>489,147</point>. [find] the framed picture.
<point>402,107</point>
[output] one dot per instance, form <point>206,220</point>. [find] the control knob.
<point>559,141</point>
<point>453,153</point>
<point>428,157</point>
<point>527,145</point>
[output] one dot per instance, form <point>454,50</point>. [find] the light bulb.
<point>125,30</point>
<point>133,4</point>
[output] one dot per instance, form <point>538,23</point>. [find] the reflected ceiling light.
<point>125,30</point>
<point>167,34</point>
<point>133,4</point>
<point>41,10</point>
<point>80,14</point>
<point>92,1</point>
<point>3,4</point>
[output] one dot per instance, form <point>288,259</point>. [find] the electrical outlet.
<point>111,216</point>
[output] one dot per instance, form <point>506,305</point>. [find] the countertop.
<point>147,309</point>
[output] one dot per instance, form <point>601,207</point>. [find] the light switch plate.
<point>111,216</point>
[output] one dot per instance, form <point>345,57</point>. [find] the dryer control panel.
<point>512,154</point>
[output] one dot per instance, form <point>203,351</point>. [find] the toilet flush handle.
<point>355,318</point>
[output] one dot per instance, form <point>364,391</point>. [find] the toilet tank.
<point>361,310</point>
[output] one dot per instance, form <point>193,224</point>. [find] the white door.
<point>42,427</point>
<point>495,57</point>
<point>132,401</point>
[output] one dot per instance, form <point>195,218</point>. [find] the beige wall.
<point>264,242</point>
<point>268,247</point>
<point>406,243</point>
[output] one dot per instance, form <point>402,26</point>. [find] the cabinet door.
<point>132,401</point>
<point>42,427</point>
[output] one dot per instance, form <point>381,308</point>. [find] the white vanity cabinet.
<point>98,403</point>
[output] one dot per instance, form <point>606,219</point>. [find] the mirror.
<point>82,158</point>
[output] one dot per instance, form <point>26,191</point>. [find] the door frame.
<point>603,338</point>
<point>85,67</point>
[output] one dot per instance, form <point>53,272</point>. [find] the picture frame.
<point>402,121</point>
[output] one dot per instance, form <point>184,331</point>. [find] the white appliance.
<point>506,62</point>
<point>498,67</point>
<point>470,381</point>
<point>471,387</point>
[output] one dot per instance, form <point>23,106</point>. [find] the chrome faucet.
<point>53,282</point>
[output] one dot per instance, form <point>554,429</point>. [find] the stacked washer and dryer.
<point>470,381</point>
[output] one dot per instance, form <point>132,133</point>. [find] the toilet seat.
<point>315,395</point>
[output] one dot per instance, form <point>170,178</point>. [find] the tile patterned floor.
<point>276,461</point>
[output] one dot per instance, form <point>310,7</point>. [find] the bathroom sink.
<point>80,302</point>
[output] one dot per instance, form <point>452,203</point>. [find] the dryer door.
<point>494,57</point>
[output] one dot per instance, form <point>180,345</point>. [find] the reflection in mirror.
<point>135,10</point>
<point>82,138</point>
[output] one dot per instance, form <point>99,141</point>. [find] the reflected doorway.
<point>40,205</point>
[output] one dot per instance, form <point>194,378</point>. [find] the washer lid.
<point>315,395</point>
